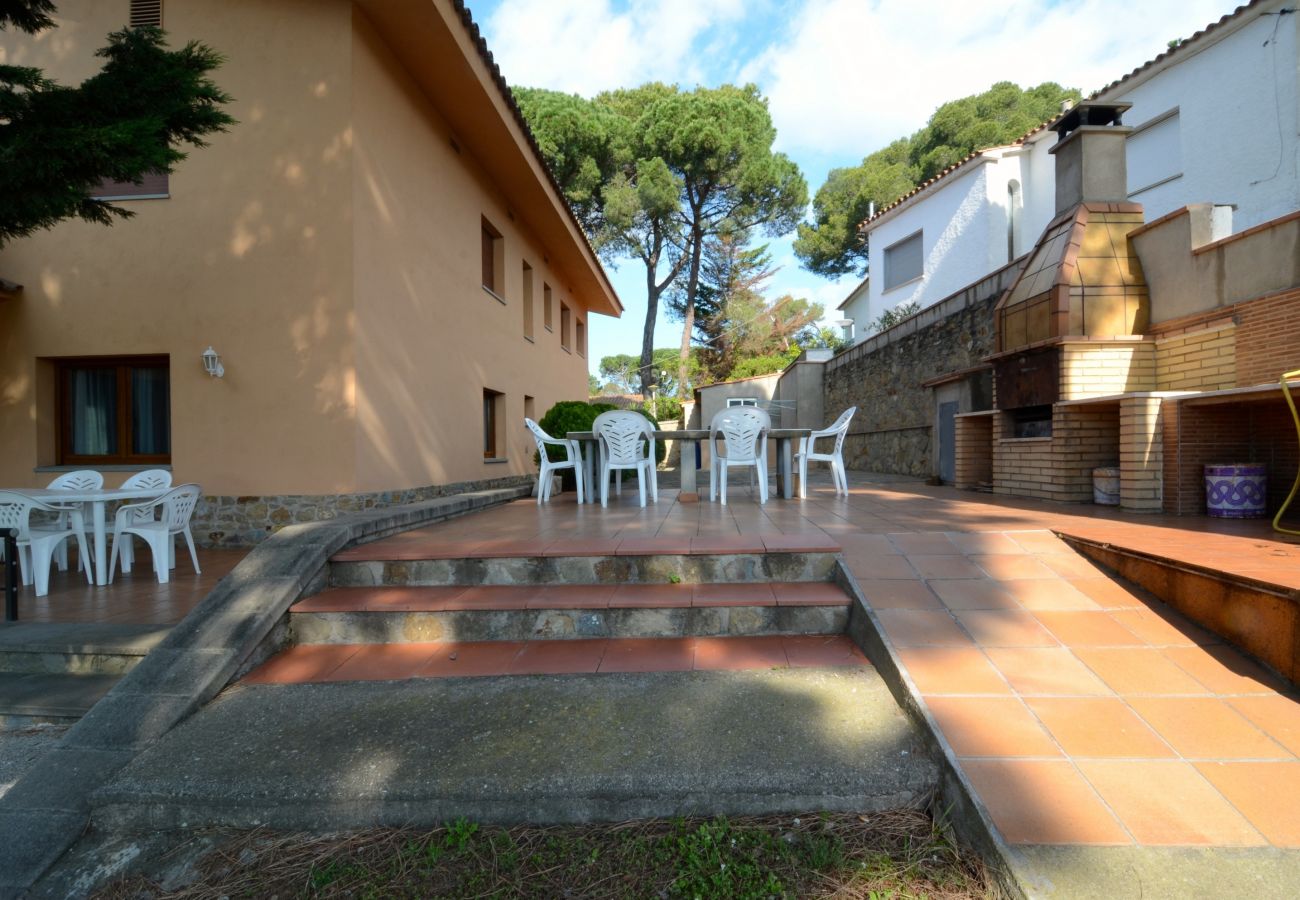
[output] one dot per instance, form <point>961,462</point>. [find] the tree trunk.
<point>646,371</point>
<point>692,284</point>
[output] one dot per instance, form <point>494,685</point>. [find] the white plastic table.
<point>96,500</point>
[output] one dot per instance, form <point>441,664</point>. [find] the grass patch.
<point>897,854</point>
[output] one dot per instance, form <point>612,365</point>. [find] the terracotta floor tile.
<point>800,543</point>
<point>939,567</point>
<point>951,670</point>
<point>1087,629</point>
<point>1163,627</point>
<point>1043,802</point>
<point>740,653</point>
<point>1013,568</point>
<point>809,593</point>
<point>990,726</point>
<point>1277,715</point>
<point>854,541</point>
<point>1039,541</point>
<point>973,593</point>
<point>753,593</point>
<point>1266,793</point>
<point>1052,671</point>
<point>509,549</point>
<point>379,599</point>
<point>886,594</point>
<point>814,650</point>
<point>558,657</point>
<point>572,596</point>
<point>386,662</point>
<point>593,546</point>
<point>931,544</point>
<point>648,596</point>
<point>974,543</point>
<point>1108,593</point>
<point>1224,670</point>
<point>922,628</point>
<point>1168,803</point>
<point>737,543</point>
<point>301,664</point>
<point>1139,670</point>
<point>1206,728</point>
<point>1098,727</point>
<point>1005,628</point>
<point>493,596</point>
<point>1072,565</point>
<point>1048,594</point>
<point>649,655</point>
<point>654,546</point>
<point>880,565</point>
<point>472,658</point>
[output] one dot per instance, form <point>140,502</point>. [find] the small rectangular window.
<point>580,337</point>
<point>527,296</point>
<point>146,12</point>
<point>546,307</point>
<point>741,401</point>
<point>904,261</point>
<point>114,410</point>
<point>564,326</point>
<point>493,419</point>
<point>530,408</point>
<point>493,258</point>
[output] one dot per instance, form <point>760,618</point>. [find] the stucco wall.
<point>250,254</point>
<point>429,337</point>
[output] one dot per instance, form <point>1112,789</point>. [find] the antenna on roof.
<point>1066,105</point>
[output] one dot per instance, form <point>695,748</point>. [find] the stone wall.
<point>884,376</point>
<point>245,521</point>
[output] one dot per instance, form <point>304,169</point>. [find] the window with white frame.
<point>741,401</point>
<point>904,261</point>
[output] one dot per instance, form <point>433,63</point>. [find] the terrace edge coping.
<point>48,809</point>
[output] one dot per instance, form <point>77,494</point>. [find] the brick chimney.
<point>1090,159</point>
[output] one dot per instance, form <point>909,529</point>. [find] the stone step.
<point>648,568</point>
<point>548,612</point>
<point>76,648</point>
<point>311,663</point>
<point>48,698</point>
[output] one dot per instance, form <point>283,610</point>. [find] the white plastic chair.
<point>80,480</point>
<point>627,441</point>
<point>572,460</point>
<point>40,541</point>
<point>155,479</point>
<point>838,430</point>
<point>744,433</point>
<point>177,505</point>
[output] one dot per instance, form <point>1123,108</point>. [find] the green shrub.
<point>669,408</point>
<point>579,415</point>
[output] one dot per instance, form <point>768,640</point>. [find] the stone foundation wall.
<point>884,376</point>
<point>244,521</point>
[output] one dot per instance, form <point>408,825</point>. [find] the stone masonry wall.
<point>245,521</point>
<point>883,377</point>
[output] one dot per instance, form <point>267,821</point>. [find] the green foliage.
<point>623,370</point>
<point>58,143</point>
<point>579,415</point>
<point>891,317</point>
<point>654,171</point>
<point>715,861</point>
<point>669,409</point>
<point>763,365</point>
<point>593,385</point>
<point>831,245</point>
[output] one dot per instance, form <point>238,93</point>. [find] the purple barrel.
<point>1236,491</point>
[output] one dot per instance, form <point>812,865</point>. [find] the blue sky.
<point>843,77</point>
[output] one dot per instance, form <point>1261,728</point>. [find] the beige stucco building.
<point>376,251</point>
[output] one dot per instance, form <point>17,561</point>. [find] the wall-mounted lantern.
<point>212,363</point>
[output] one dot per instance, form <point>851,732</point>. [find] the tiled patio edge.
<point>47,810</point>
<point>958,801</point>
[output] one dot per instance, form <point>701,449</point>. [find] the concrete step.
<point>545,612</point>
<point>648,568</point>
<point>76,648</point>
<point>580,748</point>
<point>49,699</point>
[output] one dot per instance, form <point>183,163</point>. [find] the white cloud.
<point>851,76</point>
<point>586,46</point>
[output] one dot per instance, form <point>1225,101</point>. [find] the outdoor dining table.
<point>96,500</point>
<point>689,438</point>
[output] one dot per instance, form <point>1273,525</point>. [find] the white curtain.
<point>151,412</point>
<point>94,412</point>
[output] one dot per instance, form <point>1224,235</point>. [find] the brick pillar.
<point>974,456</point>
<point>1141,454</point>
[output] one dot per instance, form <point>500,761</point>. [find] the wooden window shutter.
<point>146,12</point>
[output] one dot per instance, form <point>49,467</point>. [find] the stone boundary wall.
<point>222,521</point>
<point>882,376</point>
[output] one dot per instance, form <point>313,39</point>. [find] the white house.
<point>1215,119</point>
